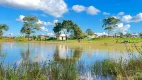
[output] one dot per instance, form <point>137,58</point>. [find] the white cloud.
<point>92,10</point>
<point>52,7</point>
<point>121,13</point>
<point>51,34</point>
<point>55,21</point>
<point>44,29</point>
<point>20,18</point>
<point>78,8</point>
<point>106,13</point>
<point>122,28</point>
<point>100,34</point>
<point>129,18</point>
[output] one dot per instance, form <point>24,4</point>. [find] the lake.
<point>17,52</point>
<point>47,51</point>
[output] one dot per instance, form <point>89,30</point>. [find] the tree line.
<point>67,27</point>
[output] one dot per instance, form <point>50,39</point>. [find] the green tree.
<point>109,23</point>
<point>128,35</point>
<point>89,32</point>
<point>78,32</point>
<point>57,28</point>
<point>3,27</point>
<point>140,34</point>
<point>68,26</point>
<point>30,25</point>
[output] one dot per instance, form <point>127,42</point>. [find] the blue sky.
<point>86,13</point>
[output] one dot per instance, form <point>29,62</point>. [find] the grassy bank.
<point>116,44</point>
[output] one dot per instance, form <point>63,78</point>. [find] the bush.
<point>20,39</point>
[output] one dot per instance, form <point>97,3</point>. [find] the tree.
<point>78,32</point>
<point>58,27</point>
<point>89,32</point>
<point>109,23</point>
<point>3,27</point>
<point>30,25</point>
<point>128,35</point>
<point>140,34</point>
<point>68,26</point>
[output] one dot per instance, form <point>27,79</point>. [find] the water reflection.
<point>62,52</point>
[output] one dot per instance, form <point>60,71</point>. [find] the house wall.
<point>61,38</point>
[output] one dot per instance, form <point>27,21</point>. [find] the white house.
<point>135,35</point>
<point>61,37</point>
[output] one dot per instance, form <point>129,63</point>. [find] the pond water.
<point>40,52</point>
<point>16,52</point>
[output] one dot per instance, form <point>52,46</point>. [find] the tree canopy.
<point>30,25</point>
<point>109,23</point>
<point>89,32</point>
<point>68,26</point>
<point>3,27</point>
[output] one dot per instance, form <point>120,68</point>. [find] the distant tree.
<point>140,34</point>
<point>89,32</point>
<point>121,34</point>
<point>109,23</point>
<point>128,35</point>
<point>30,25</point>
<point>57,28</point>
<point>3,27</point>
<point>78,32</point>
<point>68,26</point>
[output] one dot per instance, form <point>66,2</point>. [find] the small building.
<point>62,37</point>
<point>135,35</point>
<point>43,37</point>
<point>103,36</point>
<point>94,36</point>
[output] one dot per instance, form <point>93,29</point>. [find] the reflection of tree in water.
<point>25,55</point>
<point>62,52</point>
<point>2,54</point>
<point>65,68</point>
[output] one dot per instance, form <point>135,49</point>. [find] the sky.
<point>85,13</point>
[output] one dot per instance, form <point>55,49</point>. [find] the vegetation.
<point>89,32</point>
<point>110,23</point>
<point>3,27</point>
<point>78,33</point>
<point>140,34</point>
<point>68,26</point>
<point>30,25</point>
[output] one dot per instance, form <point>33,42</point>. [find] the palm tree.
<point>109,23</point>
<point>3,27</point>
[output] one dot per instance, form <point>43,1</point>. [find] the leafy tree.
<point>128,35</point>
<point>140,34</point>
<point>121,34</point>
<point>3,27</point>
<point>68,26</point>
<point>89,32</point>
<point>109,23</point>
<point>30,25</point>
<point>78,32</point>
<point>57,28</point>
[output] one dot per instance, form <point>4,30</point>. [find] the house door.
<point>62,38</point>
